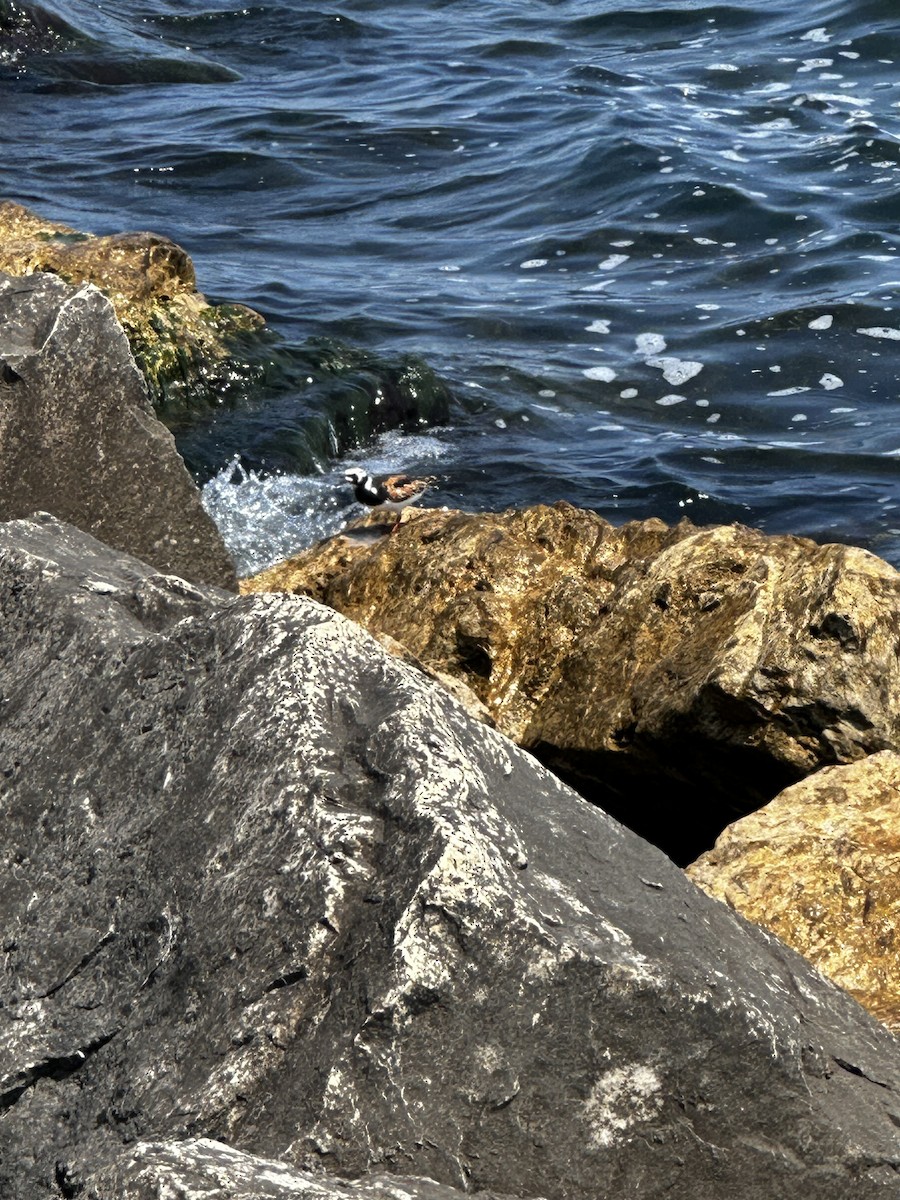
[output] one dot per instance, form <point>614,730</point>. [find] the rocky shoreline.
<point>282,916</point>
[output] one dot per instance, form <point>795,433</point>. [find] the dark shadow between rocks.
<point>681,816</point>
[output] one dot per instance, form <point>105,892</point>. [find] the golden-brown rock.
<point>721,658</point>
<point>497,599</point>
<point>820,868</point>
<point>181,343</point>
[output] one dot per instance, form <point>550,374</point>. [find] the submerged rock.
<point>721,661</point>
<point>28,29</point>
<point>78,437</point>
<point>189,350</point>
<point>820,867</point>
<point>264,884</point>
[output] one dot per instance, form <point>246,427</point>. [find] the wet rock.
<point>265,884</point>
<point>820,868</point>
<point>190,351</point>
<point>30,29</point>
<point>78,437</point>
<point>725,662</point>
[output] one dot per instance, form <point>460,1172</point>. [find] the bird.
<point>390,492</point>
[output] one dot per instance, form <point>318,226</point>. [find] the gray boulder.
<point>78,436</point>
<point>265,885</point>
<point>200,1169</point>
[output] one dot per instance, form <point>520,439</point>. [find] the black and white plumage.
<point>390,492</point>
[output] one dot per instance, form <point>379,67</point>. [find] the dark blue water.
<point>650,246</point>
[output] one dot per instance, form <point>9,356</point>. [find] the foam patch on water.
<point>614,260</point>
<point>880,331</point>
<point>676,370</point>
<point>650,343</point>
<point>266,518</point>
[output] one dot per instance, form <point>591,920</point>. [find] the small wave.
<point>264,518</point>
<point>125,70</point>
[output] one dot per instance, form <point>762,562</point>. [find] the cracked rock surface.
<point>264,885</point>
<point>78,437</point>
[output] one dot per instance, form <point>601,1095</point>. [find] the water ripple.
<point>530,198</point>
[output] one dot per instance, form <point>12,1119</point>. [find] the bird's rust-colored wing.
<point>401,487</point>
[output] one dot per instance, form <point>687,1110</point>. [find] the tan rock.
<point>181,342</point>
<point>719,657</point>
<point>496,599</point>
<point>820,868</point>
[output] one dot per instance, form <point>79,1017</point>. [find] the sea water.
<point>651,248</point>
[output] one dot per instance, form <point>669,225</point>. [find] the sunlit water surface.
<point>652,247</point>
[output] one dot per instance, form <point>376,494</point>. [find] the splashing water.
<point>266,518</point>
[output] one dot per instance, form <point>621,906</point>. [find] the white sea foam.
<point>613,261</point>
<point>603,374</point>
<point>676,370</point>
<point>823,322</point>
<point>880,331</point>
<point>650,343</point>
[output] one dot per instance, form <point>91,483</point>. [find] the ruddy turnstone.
<point>391,492</point>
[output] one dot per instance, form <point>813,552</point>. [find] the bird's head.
<point>356,475</point>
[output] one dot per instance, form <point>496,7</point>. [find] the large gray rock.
<point>263,884</point>
<point>78,436</point>
<point>200,1169</point>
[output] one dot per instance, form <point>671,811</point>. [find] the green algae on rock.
<point>276,405</point>
<point>191,352</point>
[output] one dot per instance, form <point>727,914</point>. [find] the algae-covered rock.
<point>820,868</point>
<point>189,350</point>
<point>223,382</point>
<point>724,661</point>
